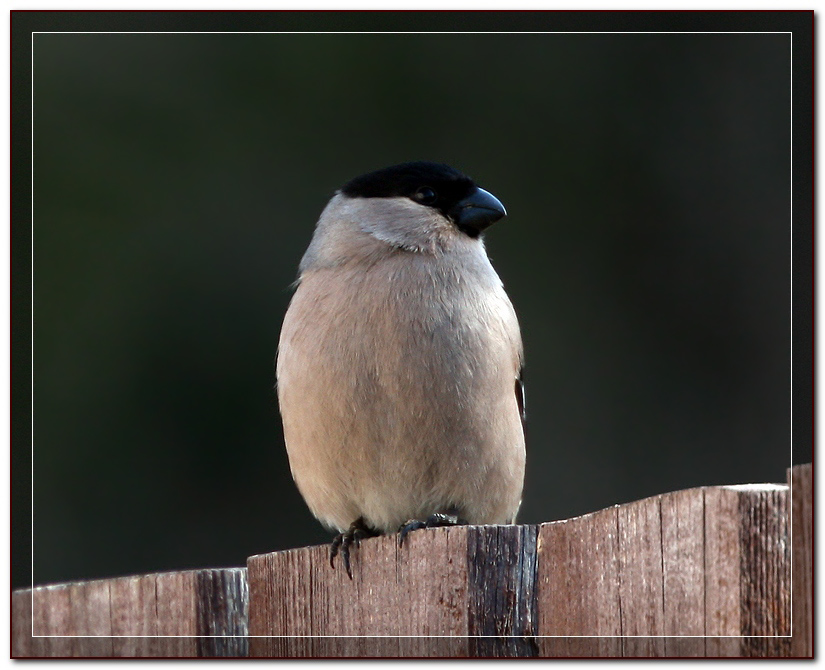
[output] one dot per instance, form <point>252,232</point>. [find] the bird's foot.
<point>433,521</point>
<point>342,542</point>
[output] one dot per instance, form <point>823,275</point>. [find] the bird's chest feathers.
<point>420,298</point>
<point>408,312</point>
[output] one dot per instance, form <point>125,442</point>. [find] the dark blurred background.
<point>177,179</point>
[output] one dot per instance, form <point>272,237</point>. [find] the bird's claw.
<point>433,521</point>
<point>342,542</point>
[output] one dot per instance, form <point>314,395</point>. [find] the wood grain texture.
<point>765,572</point>
<point>222,613</point>
<point>641,578</point>
<point>628,576</point>
<point>800,481</point>
<point>747,567</point>
<point>501,563</point>
<point>23,644</point>
<point>578,586</point>
<point>671,575</point>
<point>701,572</point>
<point>308,609</point>
<point>425,599</point>
<point>722,583</point>
<point>683,566</point>
<point>156,615</point>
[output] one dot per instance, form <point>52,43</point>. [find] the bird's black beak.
<point>477,211</point>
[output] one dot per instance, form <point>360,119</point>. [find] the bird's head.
<point>419,207</point>
<point>435,187</point>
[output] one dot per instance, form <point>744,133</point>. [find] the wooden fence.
<point>712,571</point>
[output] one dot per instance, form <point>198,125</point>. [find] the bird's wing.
<point>522,407</point>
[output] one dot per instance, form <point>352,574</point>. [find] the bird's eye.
<point>425,195</point>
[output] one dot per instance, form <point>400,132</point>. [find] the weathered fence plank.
<point>297,595</point>
<point>651,578</point>
<point>166,614</point>
<point>572,553</point>
<point>800,480</point>
<point>748,585</point>
<point>721,569</point>
<point>640,578</point>
<point>427,598</point>
<point>765,572</point>
<point>701,572</point>
<point>701,562</point>
<point>683,567</point>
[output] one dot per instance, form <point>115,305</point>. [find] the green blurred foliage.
<point>177,178</point>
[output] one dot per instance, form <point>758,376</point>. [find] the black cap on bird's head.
<point>454,194</point>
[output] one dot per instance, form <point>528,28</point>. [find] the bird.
<point>400,362</point>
